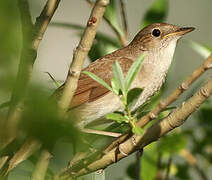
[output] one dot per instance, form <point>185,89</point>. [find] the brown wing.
<point>89,90</point>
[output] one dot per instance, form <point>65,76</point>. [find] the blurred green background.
<point>55,53</point>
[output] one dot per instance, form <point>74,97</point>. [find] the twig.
<point>122,39</point>
<point>175,119</point>
<point>168,167</point>
<point>41,166</point>
<point>32,35</point>
<point>124,18</point>
<point>81,53</point>
<point>139,154</point>
<point>207,64</point>
<point>3,160</point>
<point>26,150</point>
<point>105,133</point>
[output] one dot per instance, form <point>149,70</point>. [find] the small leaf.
<point>132,96</point>
<point>117,117</point>
<point>137,130</point>
<point>115,86</point>
<point>133,71</point>
<point>157,13</point>
<point>53,79</point>
<point>201,49</point>
<point>99,80</point>
<point>119,77</point>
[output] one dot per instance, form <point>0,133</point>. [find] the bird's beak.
<point>180,32</point>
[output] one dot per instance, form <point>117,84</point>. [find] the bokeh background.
<point>56,50</point>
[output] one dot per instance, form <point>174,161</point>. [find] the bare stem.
<point>160,128</point>
<point>81,53</point>
<point>32,35</point>
<point>41,166</point>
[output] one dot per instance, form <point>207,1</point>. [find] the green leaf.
<point>115,86</point>
<point>119,77</point>
<point>53,79</point>
<point>137,130</point>
<point>133,71</point>
<point>157,13</point>
<point>201,49</point>
<point>111,14</point>
<point>117,117</point>
<point>99,80</point>
<point>132,96</point>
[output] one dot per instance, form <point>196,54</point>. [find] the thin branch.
<point>168,167</point>
<point>122,39</point>
<point>41,166</point>
<point>124,17</point>
<point>32,35</point>
<point>26,150</point>
<point>81,53</point>
<point>174,120</point>
<point>206,65</point>
<point>3,160</point>
<point>104,133</point>
<point>139,154</point>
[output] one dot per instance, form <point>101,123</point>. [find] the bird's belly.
<point>91,111</point>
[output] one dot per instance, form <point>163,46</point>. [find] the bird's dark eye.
<point>156,32</point>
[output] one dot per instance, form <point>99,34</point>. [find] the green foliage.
<point>156,13</point>
<point>121,88</point>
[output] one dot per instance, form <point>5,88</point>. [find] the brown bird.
<point>157,42</point>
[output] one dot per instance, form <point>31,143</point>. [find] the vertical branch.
<point>124,17</point>
<point>41,166</point>
<point>81,53</point>
<point>32,35</point>
<point>139,154</point>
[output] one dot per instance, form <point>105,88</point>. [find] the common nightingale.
<point>157,42</point>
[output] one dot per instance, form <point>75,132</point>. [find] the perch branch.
<point>32,35</point>
<point>206,65</point>
<point>81,53</point>
<point>160,128</point>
